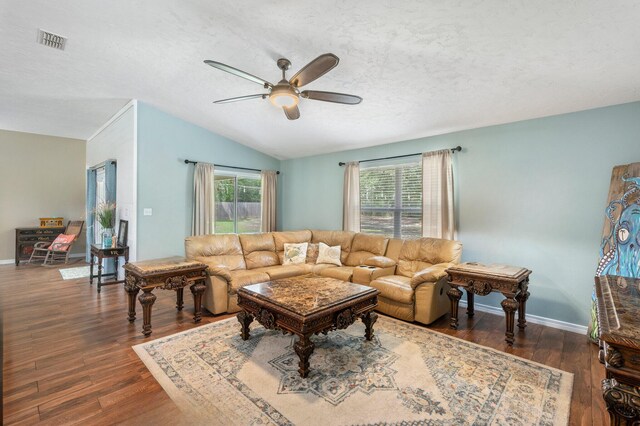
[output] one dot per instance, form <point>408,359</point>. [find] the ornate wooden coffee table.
<point>476,278</point>
<point>305,306</point>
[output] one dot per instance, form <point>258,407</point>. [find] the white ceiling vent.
<point>51,39</point>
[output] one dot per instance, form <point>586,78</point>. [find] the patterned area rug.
<point>407,375</point>
<point>74,273</point>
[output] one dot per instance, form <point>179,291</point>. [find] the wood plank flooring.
<point>68,357</point>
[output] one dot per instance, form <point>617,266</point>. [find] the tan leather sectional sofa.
<point>409,274</point>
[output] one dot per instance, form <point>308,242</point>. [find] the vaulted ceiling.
<point>422,67</point>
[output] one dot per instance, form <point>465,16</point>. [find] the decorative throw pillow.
<point>312,253</point>
<point>59,244</point>
<point>328,254</point>
<point>295,254</point>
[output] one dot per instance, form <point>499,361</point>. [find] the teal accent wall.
<point>165,183</point>
<point>530,193</point>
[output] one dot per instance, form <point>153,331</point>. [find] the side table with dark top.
<point>476,278</point>
<point>171,273</point>
<point>619,334</point>
<point>100,253</point>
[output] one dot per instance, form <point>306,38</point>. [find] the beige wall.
<point>40,176</point>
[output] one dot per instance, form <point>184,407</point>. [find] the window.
<point>101,198</point>
<point>237,202</point>
<point>391,199</point>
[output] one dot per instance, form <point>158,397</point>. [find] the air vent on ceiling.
<point>52,40</point>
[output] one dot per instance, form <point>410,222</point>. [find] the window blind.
<point>391,199</point>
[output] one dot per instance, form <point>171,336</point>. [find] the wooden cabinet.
<point>619,330</point>
<point>27,237</point>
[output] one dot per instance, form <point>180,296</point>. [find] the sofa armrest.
<point>431,274</point>
<point>380,262</point>
<point>221,271</point>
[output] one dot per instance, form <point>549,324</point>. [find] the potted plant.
<point>106,217</point>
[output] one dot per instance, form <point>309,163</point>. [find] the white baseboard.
<point>10,261</point>
<point>535,319</point>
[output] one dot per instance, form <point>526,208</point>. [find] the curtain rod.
<point>457,148</point>
<point>229,167</point>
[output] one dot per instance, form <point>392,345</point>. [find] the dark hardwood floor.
<point>68,357</point>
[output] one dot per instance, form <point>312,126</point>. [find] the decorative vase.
<point>107,238</point>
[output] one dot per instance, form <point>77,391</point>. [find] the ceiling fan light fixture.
<point>283,95</point>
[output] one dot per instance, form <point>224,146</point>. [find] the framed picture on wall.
<point>123,229</point>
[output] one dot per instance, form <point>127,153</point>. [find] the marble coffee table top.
<point>307,295</point>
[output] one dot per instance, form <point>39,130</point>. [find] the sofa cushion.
<point>280,238</point>
<point>295,253</point>
<point>394,287</point>
<point>240,279</point>
<point>285,271</point>
<point>343,273</point>
<point>335,238</point>
<point>422,253</point>
<point>393,248</point>
<point>220,249</point>
<point>312,252</point>
<point>380,262</point>
<point>259,250</point>
<point>365,246</point>
<point>329,255</point>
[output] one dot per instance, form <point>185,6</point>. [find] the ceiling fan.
<point>285,94</point>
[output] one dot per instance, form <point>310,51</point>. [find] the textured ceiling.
<point>422,67</point>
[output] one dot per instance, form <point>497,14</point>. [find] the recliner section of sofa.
<point>391,265</point>
<point>417,290</point>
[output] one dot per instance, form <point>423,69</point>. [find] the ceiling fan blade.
<point>339,98</point>
<point>315,69</point>
<point>239,73</point>
<point>292,113</point>
<point>239,98</point>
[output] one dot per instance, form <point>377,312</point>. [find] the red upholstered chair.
<point>60,248</point>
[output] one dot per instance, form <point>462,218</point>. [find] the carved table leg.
<point>369,319</point>
<point>304,348</point>
<point>197,290</point>
<point>146,300</point>
<point>454,295</point>
<point>179,298</point>
<point>510,306</point>
<point>522,298</point>
<point>470,300</point>
<point>244,318</point>
<point>622,401</point>
<point>132,292</point>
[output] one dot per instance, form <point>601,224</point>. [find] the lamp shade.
<point>283,95</point>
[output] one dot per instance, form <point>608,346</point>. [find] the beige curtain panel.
<point>268,204</point>
<point>203,207</point>
<point>438,214</point>
<point>351,197</point>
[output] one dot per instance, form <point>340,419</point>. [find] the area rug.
<point>74,273</point>
<point>407,375</point>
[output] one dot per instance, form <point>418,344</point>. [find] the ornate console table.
<point>618,316</point>
<point>172,273</point>
<point>476,278</point>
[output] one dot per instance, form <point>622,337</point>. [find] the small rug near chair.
<point>74,273</point>
<point>407,375</point>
